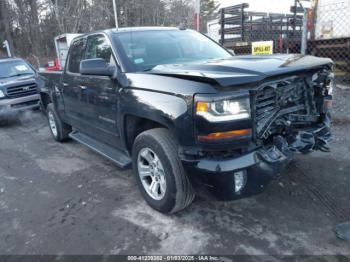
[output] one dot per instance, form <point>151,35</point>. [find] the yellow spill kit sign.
<point>262,48</point>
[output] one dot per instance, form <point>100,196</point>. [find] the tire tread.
<point>63,129</point>
<point>185,193</point>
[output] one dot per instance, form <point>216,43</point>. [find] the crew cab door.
<point>101,94</point>
<point>91,101</point>
<point>72,81</point>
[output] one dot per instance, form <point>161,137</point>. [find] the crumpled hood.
<point>241,69</point>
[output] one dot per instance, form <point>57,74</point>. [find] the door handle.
<point>83,87</point>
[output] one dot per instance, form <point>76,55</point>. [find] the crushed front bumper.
<point>8,106</point>
<point>216,177</point>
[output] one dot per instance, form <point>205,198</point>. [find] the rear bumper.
<point>19,104</point>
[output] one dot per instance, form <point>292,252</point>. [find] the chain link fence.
<point>330,36</point>
<point>239,28</point>
<point>328,31</point>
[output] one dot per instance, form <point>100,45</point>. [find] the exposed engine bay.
<point>292,113</point>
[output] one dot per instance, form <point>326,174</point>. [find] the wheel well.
<point>136,125</point>
<point>45,100</point>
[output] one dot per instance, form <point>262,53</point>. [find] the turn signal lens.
<point>225,135</point>
<point>202,107</point>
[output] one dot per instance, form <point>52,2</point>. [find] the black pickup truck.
<point>18,86</point>
<point>188,115</point>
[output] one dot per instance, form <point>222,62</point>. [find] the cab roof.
<point>143,28</point>
<point>10,59</point>
<point>129,29</point>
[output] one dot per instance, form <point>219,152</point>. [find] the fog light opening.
<point>240,180</point>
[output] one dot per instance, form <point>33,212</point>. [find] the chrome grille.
<point>20,91</point>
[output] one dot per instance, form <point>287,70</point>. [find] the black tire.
<point>62,128</point>
<point>179,192</point>
<point>43,109</point>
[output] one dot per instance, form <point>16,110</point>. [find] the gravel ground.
<point>65,199</point>
<point>341,105</point>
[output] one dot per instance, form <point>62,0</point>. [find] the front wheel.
<point>159,172</point>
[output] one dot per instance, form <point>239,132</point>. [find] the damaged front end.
<point>288,115</point>
<point>292,115</point>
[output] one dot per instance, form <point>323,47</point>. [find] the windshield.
<point>14,68</point>
<point>147,49</point>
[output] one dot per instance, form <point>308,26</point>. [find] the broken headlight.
<point>330,84</point>
<point>326,81</point>
<point>224,110</point>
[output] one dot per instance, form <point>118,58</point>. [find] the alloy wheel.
<point>151,173</point>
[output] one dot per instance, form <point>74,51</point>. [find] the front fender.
<point>173,112</point>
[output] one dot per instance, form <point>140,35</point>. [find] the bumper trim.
<point>216,177</point>
<point>229,165</point>
<point>15,104</point>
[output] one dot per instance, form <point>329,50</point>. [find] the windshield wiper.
<point>23,74</point>
<point>148,69</point>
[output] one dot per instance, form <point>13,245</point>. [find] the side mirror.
<point>96,66</point>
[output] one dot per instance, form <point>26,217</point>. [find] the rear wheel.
<point>159,172</point>
<point>58,128</point>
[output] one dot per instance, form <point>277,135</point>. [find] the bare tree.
<point>5,24</point>
<point>32,24</point>
<point>69,14</point>
<point>179,11</point>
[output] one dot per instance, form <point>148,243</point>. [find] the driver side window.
<point>98,47</point>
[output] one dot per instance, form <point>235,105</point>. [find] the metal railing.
<point>325,28</point>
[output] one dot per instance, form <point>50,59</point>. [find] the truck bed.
<point>51,79</point>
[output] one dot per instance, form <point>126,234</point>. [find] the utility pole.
<point>306,5</point>
<point>115,13</point>
<point>197,14</point>
<point>7,46</point>
<point>305,32</point>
